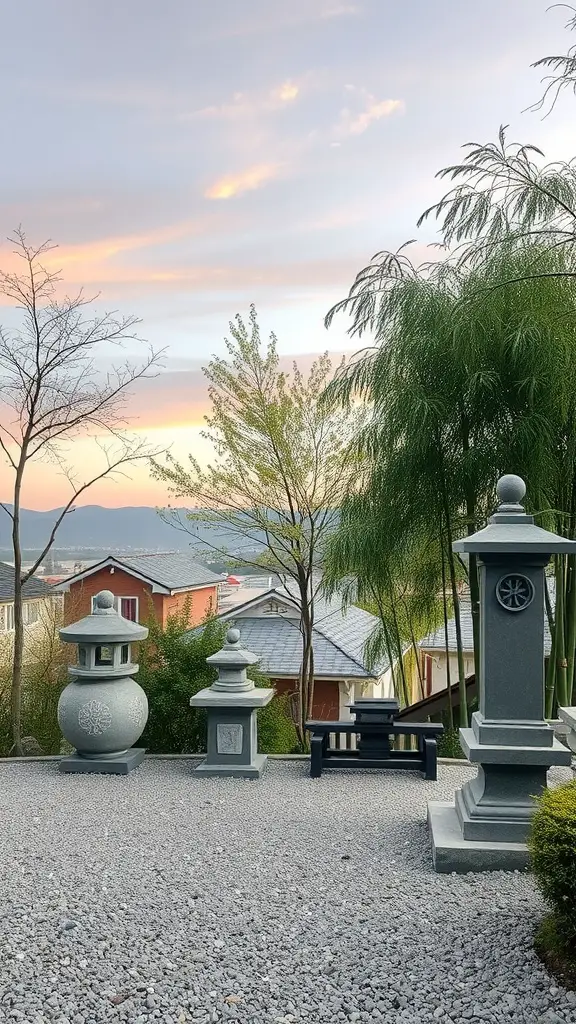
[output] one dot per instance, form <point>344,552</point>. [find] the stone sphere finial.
<point>510,489</point>
<point>104,600</point>
<point>233,636</point>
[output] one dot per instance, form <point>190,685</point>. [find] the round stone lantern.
<point>103,711</point>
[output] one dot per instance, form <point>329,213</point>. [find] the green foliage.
<point>469,378</point>
<point>40,694</point>
<point>449,744</point>
<point>553,852</point>
<point>556,951</point>
<point>280,469</point>
<point>173,668</point>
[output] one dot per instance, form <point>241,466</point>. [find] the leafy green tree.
<point>281,467</point>
<point>173,668</point>
<point>467,379</point>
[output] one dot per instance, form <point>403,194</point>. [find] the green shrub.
<point>173,668</point>
<point>276,730</point>
<point>553,852</point>
<point>40,694</point>
<point>449,744</point>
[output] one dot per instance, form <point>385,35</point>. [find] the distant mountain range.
<point>112,530</point>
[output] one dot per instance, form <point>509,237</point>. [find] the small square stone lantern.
<point>487,826</point>
<point>231,704</point>
<point>103,711</point>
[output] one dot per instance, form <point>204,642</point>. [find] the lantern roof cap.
<point>511,530</point>
<point>233,654</point>
<point>104,625</point>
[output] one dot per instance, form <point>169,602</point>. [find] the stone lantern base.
<point>487,826</point>
<point>102,764</point>
<point>232,744</point>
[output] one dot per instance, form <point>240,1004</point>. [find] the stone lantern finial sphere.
<point>233,636</point>
<point>511,489</point>
<point>104,600</point>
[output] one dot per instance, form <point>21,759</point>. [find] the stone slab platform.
<point>451,852</point>
<point>103,766</point>
<point>234,771</point>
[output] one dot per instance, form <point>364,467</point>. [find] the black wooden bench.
<point>374,748</point>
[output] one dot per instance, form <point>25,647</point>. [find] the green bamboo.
<point>560,633</point>
<point>448,674</point>
<point>474,586</point>
<point>570,625</point>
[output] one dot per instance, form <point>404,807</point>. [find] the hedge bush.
<point>173,668</point>
<point>553,853</point>
<point>40,694</point>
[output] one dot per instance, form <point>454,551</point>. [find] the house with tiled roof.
<point>40,610</point>
<point>145,586</point>
<point>436,654</point>
<point>269,624</point>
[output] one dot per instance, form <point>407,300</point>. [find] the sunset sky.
<point>190,158</point>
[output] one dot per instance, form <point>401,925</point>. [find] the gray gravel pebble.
<point>164,897</point>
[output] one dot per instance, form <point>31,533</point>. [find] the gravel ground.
<point>163,897</point>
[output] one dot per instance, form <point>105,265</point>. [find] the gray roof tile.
<point>33,587</point>
<point>278,644</point>
<point>435,641</point>
<point>339,641</point>
<point>174,570</point>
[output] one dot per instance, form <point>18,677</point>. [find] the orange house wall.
<point>78,600</point>
<point>326,696</point>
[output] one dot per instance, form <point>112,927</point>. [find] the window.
<point>82,659</point>
<point>125,654</point>
<point>6,618</point>
<point>30,612</point>
<point>129,608</point>
<point>126,606</point>
<point>104,656</point>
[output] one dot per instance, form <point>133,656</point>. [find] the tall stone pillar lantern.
<point>487,826</point>
<point>103,711</point>
<point>231,704</point>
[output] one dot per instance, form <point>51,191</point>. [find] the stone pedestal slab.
<point>452,852</point>
<point>232,741</point>
<point>119,764</point>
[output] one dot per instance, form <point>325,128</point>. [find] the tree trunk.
<point>306,679</point>
<point>448,674</point>
<point>18,655</point>
<point>570,625</point>
<point>463,718</point>
<point>404,697</point>
<point>561,661</point>
<point>474,586</point>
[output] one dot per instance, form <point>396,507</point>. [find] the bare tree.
<point>52,391</point>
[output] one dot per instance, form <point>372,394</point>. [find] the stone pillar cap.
<point>103,626</point>
<point>510,530</point>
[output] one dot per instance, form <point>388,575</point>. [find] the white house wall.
<point>439,674</point>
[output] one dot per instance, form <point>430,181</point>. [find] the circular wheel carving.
<point>514,592</point>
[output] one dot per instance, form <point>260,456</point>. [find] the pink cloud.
<point>245,181</point>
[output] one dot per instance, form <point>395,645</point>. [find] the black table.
<point>375,727</point>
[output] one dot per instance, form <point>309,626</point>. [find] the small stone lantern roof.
<point>231,663</point>
<point>104,625</point>
<point>511,531</point>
